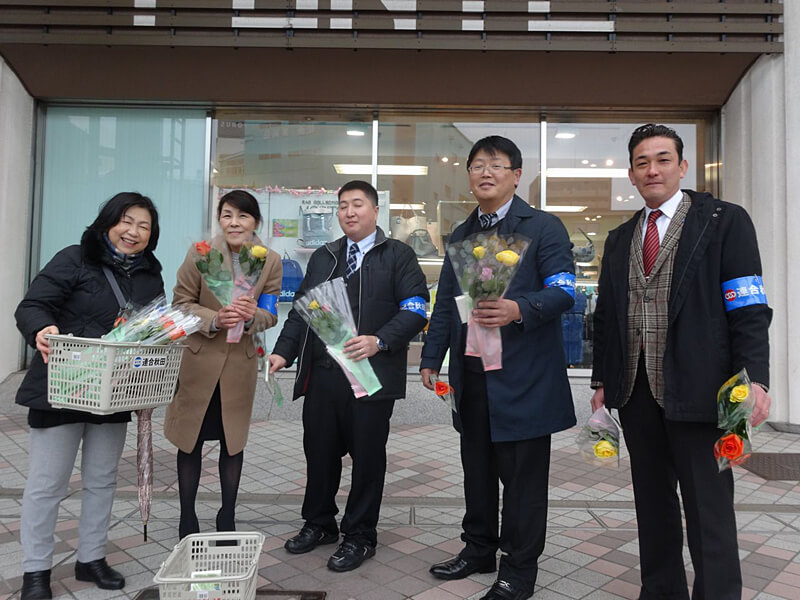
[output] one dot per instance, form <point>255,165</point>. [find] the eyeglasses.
<point>493,168</point>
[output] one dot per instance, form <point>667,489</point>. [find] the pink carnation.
<point>486,274</point>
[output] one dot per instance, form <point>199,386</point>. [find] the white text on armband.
<point>565,281</point>
<point>415,304</point>
<point>743,291</point>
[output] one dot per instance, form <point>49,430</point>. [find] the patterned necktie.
<point>352,260</point>
<point>487,220</point>
<point>651,242</point>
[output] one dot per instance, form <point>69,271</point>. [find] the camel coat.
<point>209,358</point>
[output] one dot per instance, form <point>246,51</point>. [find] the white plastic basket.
<point>101,377</point>
<point>236,560</point>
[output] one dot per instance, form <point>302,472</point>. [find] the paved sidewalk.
<point>592,549</point>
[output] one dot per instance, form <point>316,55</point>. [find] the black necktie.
<point>487,220</point>
<point>352,260</point>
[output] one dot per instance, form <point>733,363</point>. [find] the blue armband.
<point>415,304</point>
<point>565,281</point>
<point>269,302</point>
<point>743,291</point>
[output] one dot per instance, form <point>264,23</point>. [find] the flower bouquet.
<point>155,324</point>
<point>444,391</point>
<point>223,284</point>
<point>485,264</point>
<point>326,309</point>
<point>735,403</point>
<point>598,440</point>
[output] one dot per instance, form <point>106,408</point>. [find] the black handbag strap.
<point>115,287</point>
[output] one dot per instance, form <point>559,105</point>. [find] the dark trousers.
<point>335,423</point>
<point>664,454</point>
<point>523,468</point>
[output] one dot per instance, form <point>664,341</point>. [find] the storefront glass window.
<point>90,154</point>
<point>587,186</point>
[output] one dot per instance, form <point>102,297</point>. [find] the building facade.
<point>186,99</point>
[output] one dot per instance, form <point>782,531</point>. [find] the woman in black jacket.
<point>72,294</point>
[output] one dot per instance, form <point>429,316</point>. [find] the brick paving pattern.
<point>591,552</point>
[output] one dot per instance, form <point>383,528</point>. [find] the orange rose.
<point>442,389</point>
<point>202,248</point>
<point>730,446</point>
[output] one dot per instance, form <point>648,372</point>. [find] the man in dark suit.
<point>506,416</point>
<point>681,308</point>
<point>387,293</point>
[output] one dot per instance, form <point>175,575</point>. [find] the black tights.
<point>189,469</point>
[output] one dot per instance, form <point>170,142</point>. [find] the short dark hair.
<point>362,186</point>
<point>494,144</point>
<point>112,211</point>
<point>652,130</point>
<point>244,201</point>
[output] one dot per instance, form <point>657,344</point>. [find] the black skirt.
<point>212,422</point>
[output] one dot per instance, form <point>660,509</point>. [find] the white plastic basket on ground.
<point>101,377</point>
<point>210,566</point>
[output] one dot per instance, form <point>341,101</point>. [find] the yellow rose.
<point>478,252</point>
<point>258,251</point>
<point>604,449</point>
<point>508,257</point>
<point>313,305</point>
<point>739,393</point>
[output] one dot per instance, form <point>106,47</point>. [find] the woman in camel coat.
<point>217,381</point>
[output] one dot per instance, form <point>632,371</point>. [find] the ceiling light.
<point>591,233</point>
<point>586,219</point>
<point>599,216</point>
<point>619,198</point>
<point>445,159</point>
<point>564,208</point>
<point>583,264</point>
<point>565,135</point>
<point>609,162</point>
<point>630,197</point>
<point>593,165</point>
<point>455,164</point>
<point>402,206</point>
<point>579,172</point>
<point>356,132</point>
<point>584,162</point>
<point>366,169</point>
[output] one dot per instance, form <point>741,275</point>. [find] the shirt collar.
<point>669,207</point>
<point>500,212</point>
<point>364,245</point>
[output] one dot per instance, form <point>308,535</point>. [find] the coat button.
<point>646,299</point>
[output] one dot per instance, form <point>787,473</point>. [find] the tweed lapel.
<point>672,235</point>
<point>637,256</point>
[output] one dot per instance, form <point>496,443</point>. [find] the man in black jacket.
<point>387,293</point>
<point>681,308</point>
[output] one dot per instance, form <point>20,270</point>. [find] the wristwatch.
<point>382,346</point>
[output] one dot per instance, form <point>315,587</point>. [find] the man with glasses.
<point>681,308</point>
<point>506,416</point>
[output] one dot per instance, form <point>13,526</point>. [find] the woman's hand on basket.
<point>42,344</point>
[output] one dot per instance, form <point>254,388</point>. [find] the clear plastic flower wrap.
<point>326,308</point>
<point>221,281</point>
<point>154,324</point>
<point>484,264</point>
<point>735,403</point>
<point>598,440</point>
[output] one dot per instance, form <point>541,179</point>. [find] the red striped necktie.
<point>651,242</point>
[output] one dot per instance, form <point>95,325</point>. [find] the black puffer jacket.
<point>389,274</point>
<point>72,292</point>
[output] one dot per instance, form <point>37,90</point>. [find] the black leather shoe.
<point>458,568</point>
<point>349,555</point>
<point>504,590</point>
<point>36,586</point>
<point>99,573</point>
<point>310,537</point>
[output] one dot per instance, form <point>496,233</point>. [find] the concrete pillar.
<point>16,138</point>
<point>761,171</point>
